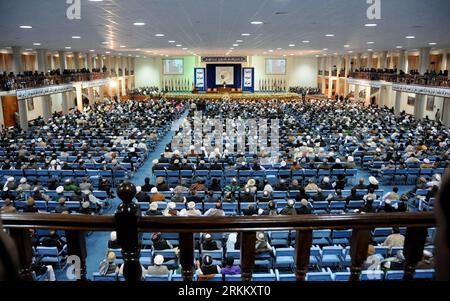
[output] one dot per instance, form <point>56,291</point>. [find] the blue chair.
<point>319,276</point>
<point>394,275</point>
<point>285,277</point>
<point>109,277</point>
<point>372,275</point>
<point>167,277</point>
<point>341,276</point>
<point>51,255</point>
<point>341,237</point>
<point>284,257</point>
<point>424,274</point>
<point>237,277</point>
<point>270,276</point>
<point>321,237</point>
<point>279,238</point>
<point>331,256</point>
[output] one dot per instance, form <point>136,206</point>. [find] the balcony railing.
<point>429,80</point>
<point>129,224</point>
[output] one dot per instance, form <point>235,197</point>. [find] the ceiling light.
<point>271,50</point>
<point>68,47</point>
<point>239,41</point>
<point>235,45</point>
<point>138,23</point>
<point>76,37</point>
<point>159,35</point>
<point>346,46</point>
<point>95,0</point>
<point>26,26</point>
<point>37,44</point>
<point>279,48</point>
<point>329,35</point>
<point>185,48</point>
<point>370,24</point>
<point>138,49</point>
<point>399,47</point>
<point>325,49</point>
<point>432,43</point>
<point>171,41</point>
<point>316,55</point>
<point>178,45</point>
<point>92,50</point>
<point>257,22</point>
<point>284,55</point>
<point>291,45</point>
<point>105,43</point>
<point>108,52</point>
<point>245,34</point>
<point>305,41</point>
<point>122,46</point>
<point>369,49</point>
<point>410,37</point>
<point>231,48</point>
<point>369,43</point>
<point>29,49</point>
<point>291,54</point>
<point>350,51</point>
<point>120,53</point>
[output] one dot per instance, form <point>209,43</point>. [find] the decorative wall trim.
<point>95,83</point>
<point>36,92</point>
<point>367,83</point>
<point>434,91</point>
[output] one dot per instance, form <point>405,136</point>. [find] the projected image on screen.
<point>173,66</point>
<point>275,66</point>
<point>224,75</point>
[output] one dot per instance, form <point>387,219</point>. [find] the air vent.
<point>281,13</point>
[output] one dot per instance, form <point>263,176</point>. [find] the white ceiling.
<point>212,26</point>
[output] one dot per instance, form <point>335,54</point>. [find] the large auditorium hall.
<point>200,146</point>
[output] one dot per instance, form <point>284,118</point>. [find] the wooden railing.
<point>128,224</point>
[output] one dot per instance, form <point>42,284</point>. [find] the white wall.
<point>56,105</point>
<point>148,72</point>
<point>302,71</point>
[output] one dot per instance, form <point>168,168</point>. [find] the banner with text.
<point>215,59</point>
<point>248,79</point>
<point>199,78</point>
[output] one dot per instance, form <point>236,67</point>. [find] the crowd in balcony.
<point>30,79</point>
<point>429,78</point>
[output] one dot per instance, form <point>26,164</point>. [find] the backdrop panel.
<point>219,71</point>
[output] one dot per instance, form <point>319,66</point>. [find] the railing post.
<point>76,245</point>
<point>127,217</point>
<point>303,242</point>
<point>413,249</point>
<point>359,244</point>
<point>24,247</point>
<point>248,242</point>
<point>187,255</point>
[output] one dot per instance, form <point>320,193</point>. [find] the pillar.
<point>41,60</point>
<point>419,106</point>
<point>99,62</point>
<point>356,92</point>
<point>123,64</point>
<point>338,80</point>
<point>79,97</point>
<point>398,102</point>
<point>330,80</point>
<point>446,111</point>
<point>358,61</point>
<point>76,60</point>
<point>369,60</point>
<point>402,59</point>
<point>23,114</point>
<point>89,64</point>
<point>100,92</point>
<point>323,68</point>
<point>65,102</point>
<point>383,60</point>
<point>46,107</point>
<point>91,96</point>
<point>444,62</point>
<point>123,86</point>
<point>62,60</point>
<point>17,65</point>
<point>424,59</point>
